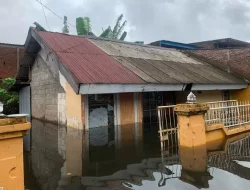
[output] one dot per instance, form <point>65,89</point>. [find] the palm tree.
<point>117,32</point>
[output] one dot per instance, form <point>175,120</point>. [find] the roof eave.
<point>124,88</point>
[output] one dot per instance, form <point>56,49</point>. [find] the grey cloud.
<point>148,20</point>
<point>237,12</point>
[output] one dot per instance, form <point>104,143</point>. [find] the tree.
<point>8,98</point>
<point>83,26</point>
<point>117,32</point>
<point>65,28</point>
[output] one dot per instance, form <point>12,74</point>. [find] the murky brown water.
<point>138,166</point>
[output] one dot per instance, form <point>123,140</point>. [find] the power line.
<point>54,13</point>
<point>45,15</point>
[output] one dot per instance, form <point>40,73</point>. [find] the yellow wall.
<point>75,127</point>
<point>205,96</point>
<point>241,95</point>
<point>11,152</point>
<point>11,163</point>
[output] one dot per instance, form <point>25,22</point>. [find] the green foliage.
<point>8,98</point>
<point>115,34</point>
<point>83,26</point>
<point>106,33</point>
<point>117,27</point>
<point>123,36</point>
<point>39,27</point>
<point>65,28</point>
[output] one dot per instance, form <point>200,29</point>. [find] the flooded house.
<point>94,101</point>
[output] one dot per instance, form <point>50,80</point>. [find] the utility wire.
<point>45,15</point>
<point>54,13</point>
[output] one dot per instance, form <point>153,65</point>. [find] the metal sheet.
<point>152,71</point>
<point>178,75</point>
<point>86,62</point>
<point>136,70</point>
<point>24,108</point>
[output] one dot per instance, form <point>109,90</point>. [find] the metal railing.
<point>168,129</point>
<point>229,113</point>
<point>219,104</point>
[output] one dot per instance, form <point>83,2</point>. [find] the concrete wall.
<point>48,150</point>
<point>57,125</point>
<point>241,95</point>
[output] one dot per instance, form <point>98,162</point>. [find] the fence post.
<point>191,124</point>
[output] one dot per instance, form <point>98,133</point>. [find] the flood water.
<point>137,166</point>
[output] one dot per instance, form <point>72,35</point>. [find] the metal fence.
<point>168,129</point>
<point>229,113</point>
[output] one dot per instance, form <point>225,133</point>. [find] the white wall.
<point>24,108</point>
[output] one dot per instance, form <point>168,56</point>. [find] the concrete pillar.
<point>192,129</point>
<point>12,131</point>
<point>192,136</point>
<point>192,139</point>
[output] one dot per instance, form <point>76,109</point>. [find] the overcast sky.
<point>148,20</point>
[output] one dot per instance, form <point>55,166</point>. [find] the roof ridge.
<point>111,40</point>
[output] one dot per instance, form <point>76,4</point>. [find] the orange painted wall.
<point>75,131</point>
<point>11,153</point>
<point>241,95</point>
<point>11,162</point>
<point>128,120</point>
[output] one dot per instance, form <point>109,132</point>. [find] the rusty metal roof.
<point>101,61</point>
<point>88,63</point>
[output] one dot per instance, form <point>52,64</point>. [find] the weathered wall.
<point>48,125</point>
<point>241,95</point>
<point>205,96</point>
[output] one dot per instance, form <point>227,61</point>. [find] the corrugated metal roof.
<point>98,61</point>
<point>162,65</point>
<point>86,62</point>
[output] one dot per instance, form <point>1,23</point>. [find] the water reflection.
<point>190,169</point>
<point>127,166</point>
